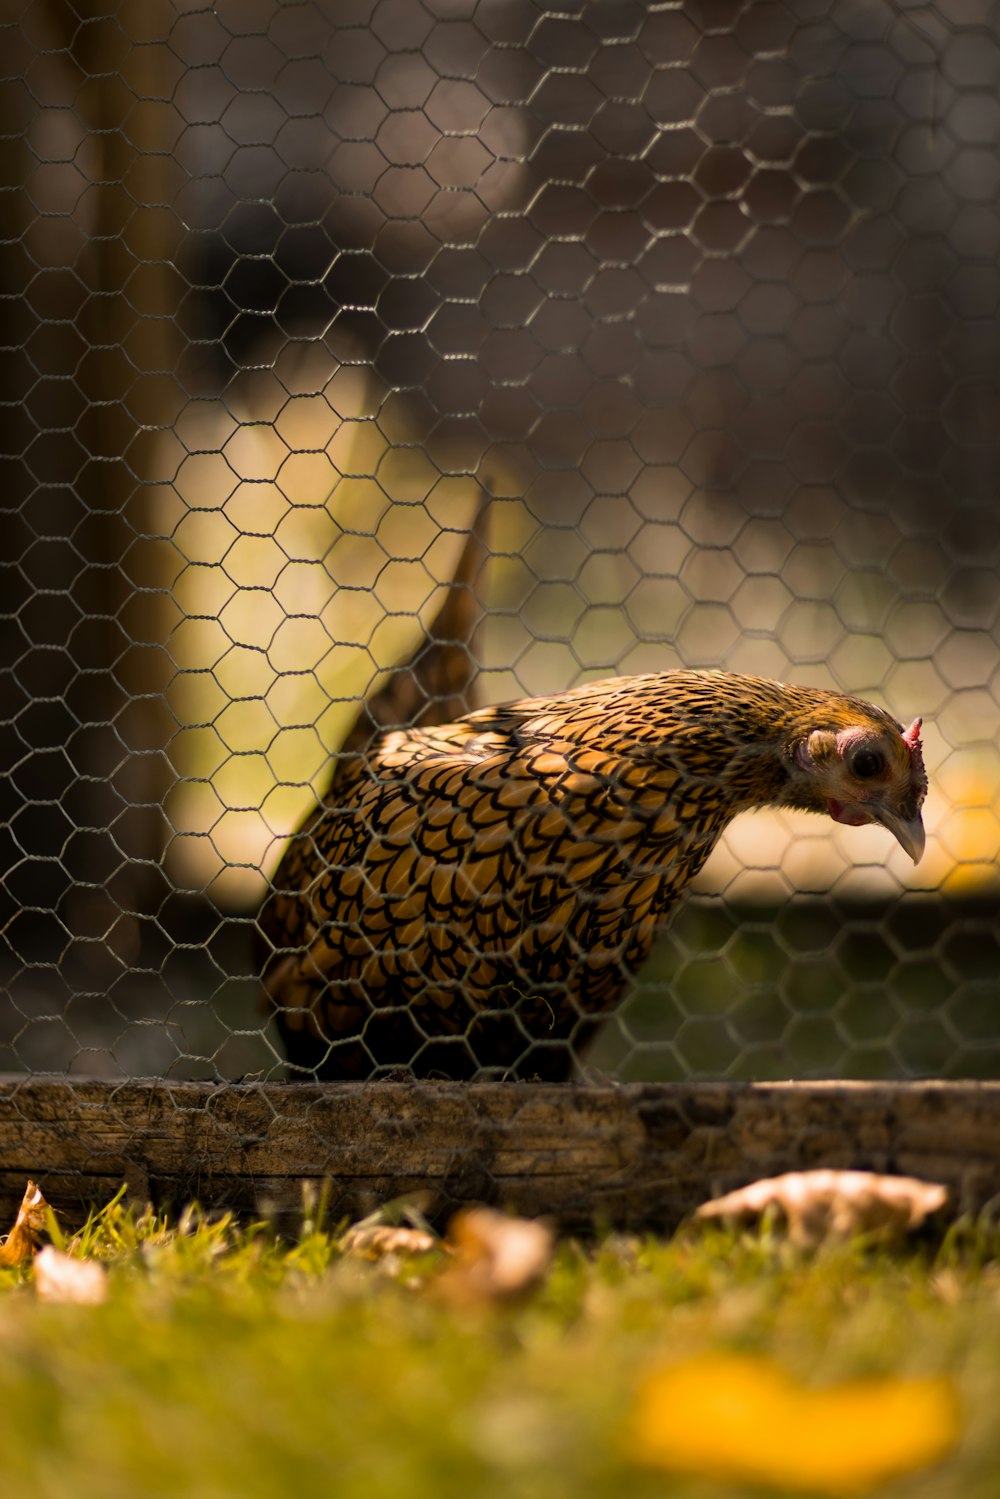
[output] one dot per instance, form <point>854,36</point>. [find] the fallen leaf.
<point>495,1257</point>
<point>743,1419</point>
<point>819,1205</point>
<point>376,1241</point>
<point>395,1232</point>
<point>22,1241</point>
<point>61,1278</point>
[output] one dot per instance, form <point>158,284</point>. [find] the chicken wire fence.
<point>703,296</point>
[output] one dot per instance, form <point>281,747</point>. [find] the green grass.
<point>228,1362</point>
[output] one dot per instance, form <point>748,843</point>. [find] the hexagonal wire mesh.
<point>702,293</point>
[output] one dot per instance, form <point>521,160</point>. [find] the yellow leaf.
<point>743,1419</point>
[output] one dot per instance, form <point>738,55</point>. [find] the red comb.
<point>911,736</point>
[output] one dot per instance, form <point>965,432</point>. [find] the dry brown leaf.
<point>61,1278</point>
<point>22,1241</point>
<point>820,1205</point>
<point>495,1257</point>
<point>376,1241</point>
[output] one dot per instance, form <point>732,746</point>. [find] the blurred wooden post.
<point>117,371</point>
<point>135,396</point>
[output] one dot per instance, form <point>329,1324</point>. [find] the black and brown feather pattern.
<point>471,896</point>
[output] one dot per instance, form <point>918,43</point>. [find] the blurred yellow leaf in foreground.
<point>741,1418</point>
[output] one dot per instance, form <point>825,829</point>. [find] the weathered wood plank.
<point>643,1154</point>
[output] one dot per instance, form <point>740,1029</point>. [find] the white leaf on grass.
<point>827,1204</point>
<point>61,1278</point>
<point>495,1256</point>
<point>376,1241</point>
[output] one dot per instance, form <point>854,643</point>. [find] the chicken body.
<point>471,896</point>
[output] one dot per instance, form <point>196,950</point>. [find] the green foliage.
<point>229,1361</point>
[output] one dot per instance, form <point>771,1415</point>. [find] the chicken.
<point>472,896</point>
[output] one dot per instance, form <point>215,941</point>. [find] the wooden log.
<point>641,1155</point>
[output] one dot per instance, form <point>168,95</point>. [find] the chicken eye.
<point>866,764</point>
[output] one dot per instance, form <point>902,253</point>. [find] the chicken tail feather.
<point>435,685</point>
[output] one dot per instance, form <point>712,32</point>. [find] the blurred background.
<point>703,294</point>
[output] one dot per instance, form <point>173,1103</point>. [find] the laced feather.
<point>475,894</point>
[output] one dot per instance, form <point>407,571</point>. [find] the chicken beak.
<point>907,831</point>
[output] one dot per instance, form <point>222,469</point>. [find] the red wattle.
<point>851,817</point>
